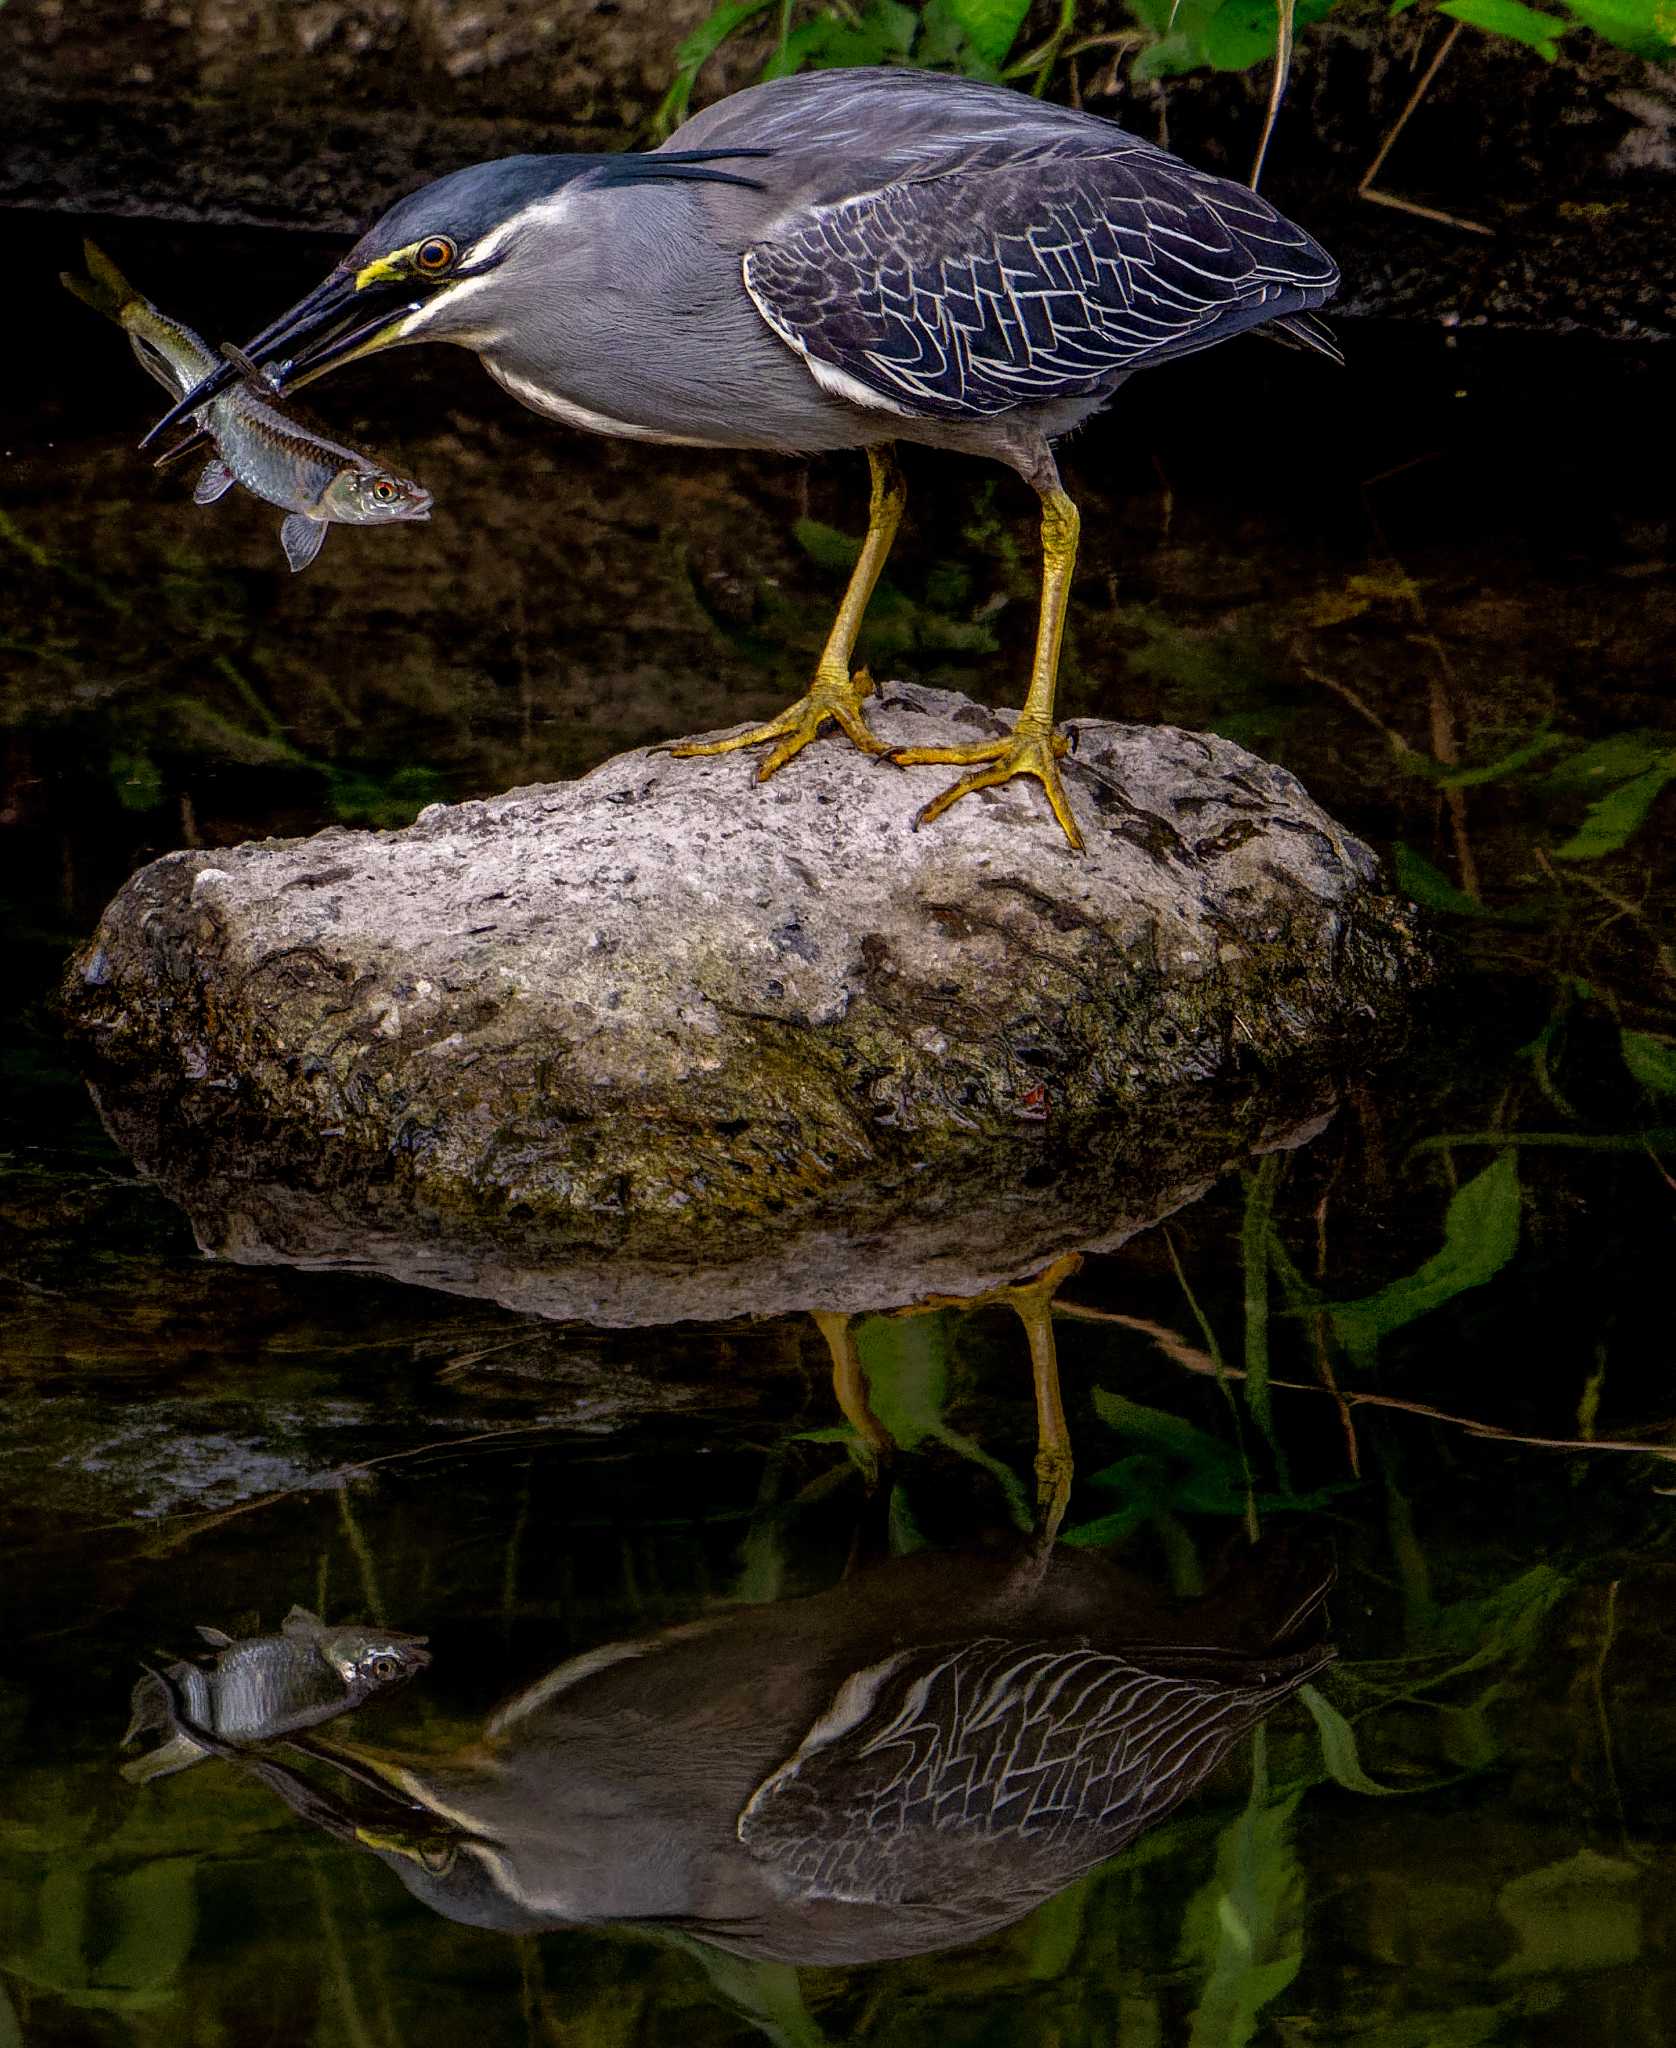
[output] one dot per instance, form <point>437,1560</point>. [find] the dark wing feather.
<point>1022,281</point>
<point>1014,1764</point>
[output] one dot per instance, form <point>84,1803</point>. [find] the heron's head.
<point>431,268</point>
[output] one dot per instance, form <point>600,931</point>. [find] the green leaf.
<point>1157,1426</point>
<point>1504,765</point>
<point>906,1360</point>
<point>991,26</point>
<point>1614,759</point>
<point>1579,1915</point>
<point>1429,886</point>
<point>1511,18</point>
<point>1645,26</point>
<point>1480,1235</point>
<point>1651,1059</point>
<point>1338,1748</point>
<point>138,779</point>
<point>1244,1930</point>
<point>714,30</point>
<point>825,546</point>
<point>1241,33</point>
<point>1103,1530</point>
<point>1608,824</point>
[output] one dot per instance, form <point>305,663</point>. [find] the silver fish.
<point>266,1686</point>
<point>257,443</point>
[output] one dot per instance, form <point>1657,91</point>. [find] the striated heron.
<point>907,1761</point>
<point>842,259</point>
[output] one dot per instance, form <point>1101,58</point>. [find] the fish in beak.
<point>350,314</point>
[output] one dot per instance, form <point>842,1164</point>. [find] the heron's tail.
<point>1304,330</point>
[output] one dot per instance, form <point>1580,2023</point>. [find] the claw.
<point>834,699</point>
<point>1023,751</point>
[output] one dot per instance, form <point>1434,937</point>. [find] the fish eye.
<point>385,491</point>
<point>434,255</point>
<point>386,1666</point>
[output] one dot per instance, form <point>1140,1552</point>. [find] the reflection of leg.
<point>835,694</point>
<point>1033,1304</point>
<point>849,1383</point>
<point>1032,747</point>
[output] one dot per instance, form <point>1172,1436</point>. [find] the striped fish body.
<point>276,457</point>
<point>266,1686</point>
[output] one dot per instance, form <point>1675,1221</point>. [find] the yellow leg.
<point>835,693</point>
<point>1032,1303</point>
<point>849,1383</point>
<point>1032,747</point>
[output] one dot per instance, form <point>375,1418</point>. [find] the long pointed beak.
<point>336,322</point>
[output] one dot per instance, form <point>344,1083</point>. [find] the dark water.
<point>1438,587</point>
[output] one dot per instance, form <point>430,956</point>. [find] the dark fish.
<point>267,1686</point>
<point>257,443</point>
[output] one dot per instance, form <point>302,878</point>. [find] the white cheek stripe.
<point>548,211</point>
<point>414,322</point>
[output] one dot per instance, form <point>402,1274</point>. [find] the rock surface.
<point>664,1042</point>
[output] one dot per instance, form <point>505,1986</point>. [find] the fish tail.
<point>104,288</point>
<point>179,1753</point>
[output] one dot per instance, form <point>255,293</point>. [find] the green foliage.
<point>906,1360</point>
<point>1642,26</point>
<point>1244,1930</point>
<point>1634,769</point>
<point>990,26</point>
<point>1339,1751</point>
<point>1651,1059</point>
<point>1480,1235</point>
<point>1429,886</point>
<point>1175,1469</point>
<point>1218,35</point>
<point>1512,19</point>
<point>979,38</point>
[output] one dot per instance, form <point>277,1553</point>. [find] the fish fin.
<point>150,1710</point>
<point>218,1638</point>
<point>215,482</point>
<point>301,538</point>
<point>179,1753</point>
<point>192,445</point>
<point>242,363</point>
<point>299,1622</point>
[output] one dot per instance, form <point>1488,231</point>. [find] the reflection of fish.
<point>265,1686</point>
<point>913,1759</point>
<point>257,444</point>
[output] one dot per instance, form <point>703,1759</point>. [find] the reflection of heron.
<point>911,1760</point>
<point>1032,1302</point>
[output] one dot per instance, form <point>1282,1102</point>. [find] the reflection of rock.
<point>662,1018</point>
<point>909,1761</point>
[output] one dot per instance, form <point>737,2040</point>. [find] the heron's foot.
<point>1029,749</point>
<point>833,698</point>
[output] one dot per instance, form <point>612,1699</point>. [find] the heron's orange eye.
<point>434,255</point>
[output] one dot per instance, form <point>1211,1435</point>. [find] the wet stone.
<point>665,1042</point>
